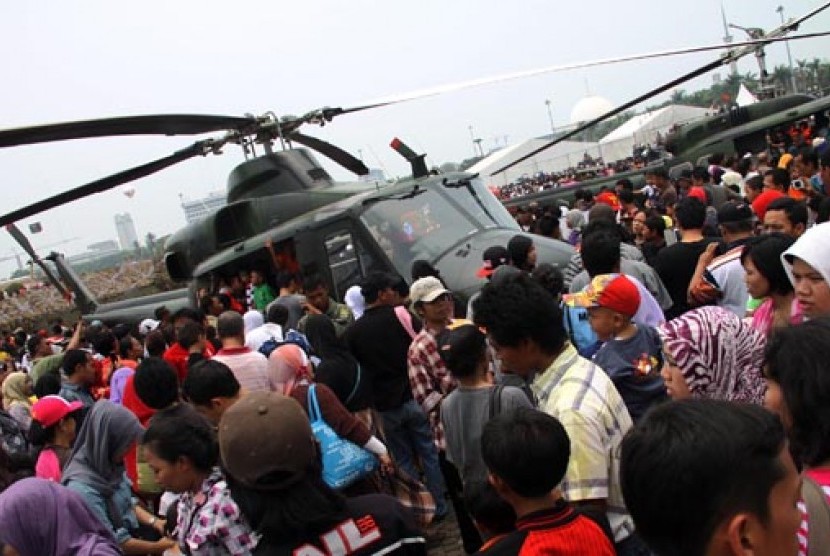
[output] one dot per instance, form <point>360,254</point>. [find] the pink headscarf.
<point>719,354</point>
<point>288,365</point>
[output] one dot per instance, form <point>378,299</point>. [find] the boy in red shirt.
<point>526,452</point>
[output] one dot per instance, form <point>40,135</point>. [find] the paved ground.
<point>443,538</point>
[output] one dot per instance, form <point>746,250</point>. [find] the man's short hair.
<point>277,314</point>
<point>547,225</point>
<point>527,449</point>
<point>160,312</point>
<point>155,343</point>
<point>626,196</point>
<point>285,277</point>
<point>755,183</point>
<point>690,214</point>
<point>780,177</point>
<point>373,284</point>
<point>33,343</point>
<point>209,379</point>
<point>314,281</point>
<point>689,465</point>
<point>701,173</point>
<point>156,383</point>
<point>601,253</point>
<point>660,172</point>
<point>190,333</point>
<point>796,211</point>
<point>655,224</point>
<point>808,156</point>
<point>196,315</point>
<point>515,309</point>
<point>230,324</point>
<point>549,277</point>
<point>72,358</point>
<point>625,184</point>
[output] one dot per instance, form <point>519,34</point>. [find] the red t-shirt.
<point>760,204</point>
<point>177,356</point>
<point>132,402</point>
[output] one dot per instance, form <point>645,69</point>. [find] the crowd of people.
<point>664,393</point>
<point>36,300</point>
<point>587,169</point>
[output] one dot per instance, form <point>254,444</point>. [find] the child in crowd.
<point>631,353</point>
<point>493,517</point>
<point>54,423</point>
<point>467,408</point>
<point>181,448</point>
<point>526,453</point>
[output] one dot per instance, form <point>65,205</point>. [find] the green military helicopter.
<point>285,211</point>
<point>736,131</point>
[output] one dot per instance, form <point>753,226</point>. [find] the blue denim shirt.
<point>124,503</point>
<point>74,392</point>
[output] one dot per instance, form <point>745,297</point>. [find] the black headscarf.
<point>519,247</point>
<point>338,369</point>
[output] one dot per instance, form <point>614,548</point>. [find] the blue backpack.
<point>292,337</point>
<point>579,330</point>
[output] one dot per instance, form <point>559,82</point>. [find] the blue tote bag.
<point>344,462</point>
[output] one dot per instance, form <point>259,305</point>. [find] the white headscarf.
<point>354,301</point>
<point>813,248</point>
<point>253,319</point>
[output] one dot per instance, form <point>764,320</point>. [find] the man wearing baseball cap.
<point>631,353</point>
<point>494,257</point>
<point>431,382</point>
<point>721,279</point>
<point>279,487</point>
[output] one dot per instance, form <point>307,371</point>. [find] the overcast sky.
<point>81,60</point>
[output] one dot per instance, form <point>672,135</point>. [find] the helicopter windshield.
<point>426,223</point>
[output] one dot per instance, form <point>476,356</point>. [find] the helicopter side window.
<point>343,261</point>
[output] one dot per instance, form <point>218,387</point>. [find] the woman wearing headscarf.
<point>290,369</point>
<point>354,301</point>
<point>16,391</point>
<point>337,369</point>
<point>711,353</point>
<point>39,517</point>
<point>96,472</point>
<point>807,263</point>
<point>253,319</point>
<point>522,252</point>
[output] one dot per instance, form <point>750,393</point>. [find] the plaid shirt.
<point>209,522</point>
<point>430,381</point>
<point>582,397</point>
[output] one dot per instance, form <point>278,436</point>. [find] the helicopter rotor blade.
<point>23,241</point>
<point>104,184</point>
<point>333,152</point>
<point>453,87</point>
<point>159,124</point>
<point>775,35</point>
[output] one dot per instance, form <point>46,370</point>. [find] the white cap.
<point>147,326</point>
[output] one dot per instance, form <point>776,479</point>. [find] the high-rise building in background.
<point>127,237</point>
<point>194,209</point>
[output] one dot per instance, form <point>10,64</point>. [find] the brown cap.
<point>266,434</point>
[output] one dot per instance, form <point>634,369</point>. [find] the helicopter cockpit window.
<point>343,261</point>
<point>481,204</point>
<point>421,226</point>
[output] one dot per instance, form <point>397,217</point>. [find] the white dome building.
<point>589,108</point>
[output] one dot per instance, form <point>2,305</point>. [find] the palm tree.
<point>782,77</point>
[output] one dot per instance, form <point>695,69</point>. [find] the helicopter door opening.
<point>340,250</point>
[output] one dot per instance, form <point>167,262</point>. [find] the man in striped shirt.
<point>524,324</point>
